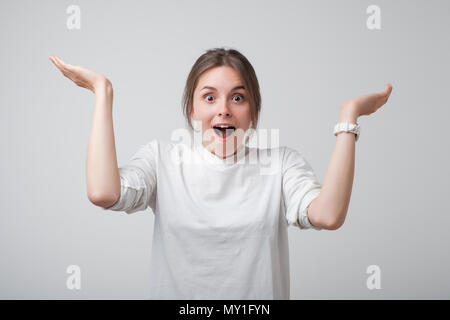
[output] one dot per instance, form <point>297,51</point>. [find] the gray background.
<point>309,57</point>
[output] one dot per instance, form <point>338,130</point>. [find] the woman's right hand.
<point>82,77</point>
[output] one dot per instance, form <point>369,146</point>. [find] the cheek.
<point>199,110</point>
<point>245,114</point>
<point>204,115</point>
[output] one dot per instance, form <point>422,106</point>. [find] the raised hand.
<point>82,77</point>
<point>367,104</point>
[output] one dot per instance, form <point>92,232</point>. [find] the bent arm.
<point>102,174</point>
<point>329,209</point>
<point>103,180</point>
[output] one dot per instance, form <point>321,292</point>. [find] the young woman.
<point>221,221</point>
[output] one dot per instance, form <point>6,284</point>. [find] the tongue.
<point>223,133</point>
<point>227,132</point>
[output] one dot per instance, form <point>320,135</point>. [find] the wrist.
<point>103,86</point>
<point>347,113</point>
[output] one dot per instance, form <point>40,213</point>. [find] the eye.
<point>239,95</point>
<point>209,100</point>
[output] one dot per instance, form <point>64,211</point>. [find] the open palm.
<point>81,76</point>
<point>369,103</point>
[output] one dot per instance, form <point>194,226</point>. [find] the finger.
<point>52,59</point>
<point>59,60</point>
<point>63,64</point>
<point>65,71</point>
<point>59,66</point>
<point>388,89</point>
<point>57,63</point>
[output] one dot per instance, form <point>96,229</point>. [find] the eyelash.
<point>242,97</point>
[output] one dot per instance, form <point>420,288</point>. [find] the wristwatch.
<point>347,127</point>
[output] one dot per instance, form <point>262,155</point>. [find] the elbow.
<point>321,217</point>
<point>95,198</point>
<point>333,224</point>
<point>102,200</point>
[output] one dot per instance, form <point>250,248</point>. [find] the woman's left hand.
<point>367,104</point>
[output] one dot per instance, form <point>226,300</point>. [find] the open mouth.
<point>224,131</point>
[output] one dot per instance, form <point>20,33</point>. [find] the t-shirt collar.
<point>214,159</point>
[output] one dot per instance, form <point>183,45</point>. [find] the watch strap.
<point>347,127</point>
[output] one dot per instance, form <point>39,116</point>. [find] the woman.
<point>220,228</point>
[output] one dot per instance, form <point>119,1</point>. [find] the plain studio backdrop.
<point>309,57</point>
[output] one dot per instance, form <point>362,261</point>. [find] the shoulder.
<point>280,153</point>
<point>291,157</point>
<point>269,160</point>
<point>160,146</point>
<point>166,150</point>
<point>149,148</point>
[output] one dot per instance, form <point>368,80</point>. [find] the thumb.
<point>387,89</point>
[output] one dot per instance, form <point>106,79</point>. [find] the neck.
<point>224,153</point>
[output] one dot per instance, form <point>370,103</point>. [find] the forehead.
<point>222,77</point>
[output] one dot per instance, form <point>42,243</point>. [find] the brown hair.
<point>217,57</point>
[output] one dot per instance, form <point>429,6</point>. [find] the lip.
<point>224,124</point>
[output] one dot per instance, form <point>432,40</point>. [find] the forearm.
<point>330,207</point>
<point>337,185</point>
<point>102,175</point>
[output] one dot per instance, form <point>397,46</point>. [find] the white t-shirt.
<point>220,229</point>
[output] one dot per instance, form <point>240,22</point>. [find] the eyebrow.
<point>212,88</point>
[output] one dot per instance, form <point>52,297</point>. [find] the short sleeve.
<point>138,181</point>
<point>300,187</point>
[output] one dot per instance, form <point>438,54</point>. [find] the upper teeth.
<point>224,127</point>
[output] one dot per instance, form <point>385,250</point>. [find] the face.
<point>220,98</point>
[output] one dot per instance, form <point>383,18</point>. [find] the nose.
<point>224,110</point>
